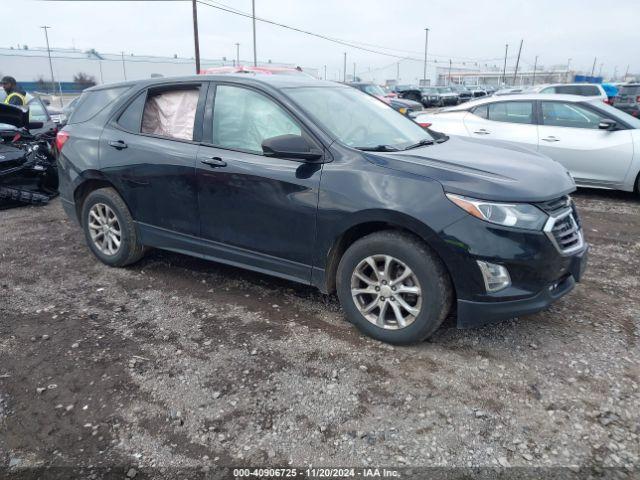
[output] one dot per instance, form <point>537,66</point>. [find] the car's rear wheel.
<point>109,229</point>
<point>393,288</point>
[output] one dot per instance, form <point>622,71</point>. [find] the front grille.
<point>556,206</point>
<point>565,232</point>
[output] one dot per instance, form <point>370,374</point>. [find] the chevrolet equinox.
<point>321,184</point>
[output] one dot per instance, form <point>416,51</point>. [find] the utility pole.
<point>593,69</point>
<point>515,72</point>
<point>426,46</point>
<point>354,71</point>
<point>253,15</point>
<point>53,81</point>
<point>449,82</point>
<point>504,68</point>
<point>196,40</point>
<point>237,54</point>
<point>535,64</point>
<point>100,65</point>
<point>124,70</point>
<point>615,72</point>
<point>626,74</point>
<point>344,69</point>
<point>398,71</point>
<point>325,72</point>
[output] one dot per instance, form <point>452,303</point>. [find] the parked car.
<point>404,106</point>
<point>256,70</point>
<point>592,90</point>
<point>60,115</point>
<point>477,91</point>
<point>319,183</point>
<point>37,113</point>
<point>430,96</point>
<point>447,96</point>
<point>598,144</point>
<point>410,92</point>
<point>628,99</point>
<point>464,94</point>
<point>509,91</point>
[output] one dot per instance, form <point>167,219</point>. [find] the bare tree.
<point>84,80</point>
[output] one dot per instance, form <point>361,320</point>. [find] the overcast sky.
<point>464,30</point>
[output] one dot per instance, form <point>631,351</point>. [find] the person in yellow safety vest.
<point>15,95</point>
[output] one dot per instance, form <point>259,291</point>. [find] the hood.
<point>487,170</point>
<point>12,115</point>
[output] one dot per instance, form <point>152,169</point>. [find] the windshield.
<point>428,90</point>
<point>444,90</point>
<point>373,90</point>
<point>357,119</point>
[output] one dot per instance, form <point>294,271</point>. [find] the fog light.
<point>496,277</point>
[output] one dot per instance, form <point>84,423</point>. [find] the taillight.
<point>61,139</point>
<point>424,124</point>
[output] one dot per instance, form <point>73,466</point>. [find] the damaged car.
<point>28,171</point>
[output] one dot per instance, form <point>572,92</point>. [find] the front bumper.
<point>473,314</point>
<point>540,273</point>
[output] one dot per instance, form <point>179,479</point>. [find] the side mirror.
<point>290,146</point>
<point>35,125</point>
<point>607,124</point>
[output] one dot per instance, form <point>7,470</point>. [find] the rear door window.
<point>562,114</point>
<point>171,113</point>
<point>511,112</point>
<point>94,101</point>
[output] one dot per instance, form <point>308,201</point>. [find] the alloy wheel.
<point>104,229</point>
<point>386,292</point>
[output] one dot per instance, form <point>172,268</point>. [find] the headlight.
<point>518,215</point>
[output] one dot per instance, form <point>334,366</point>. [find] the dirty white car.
<point>598,144</point>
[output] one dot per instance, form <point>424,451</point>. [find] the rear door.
<point>570,135</point>
<point>255,210</point>
<point>149,152</point>
<point>511,121</point>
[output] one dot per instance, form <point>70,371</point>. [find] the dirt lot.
<point>178,363</point>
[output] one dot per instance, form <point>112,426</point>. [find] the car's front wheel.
<point>109,229</point>
<point>393,287</point>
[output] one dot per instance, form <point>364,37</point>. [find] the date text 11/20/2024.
<point>315,473</point>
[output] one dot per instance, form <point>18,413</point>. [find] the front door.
<point>255,209</point>
<point>570,135</point>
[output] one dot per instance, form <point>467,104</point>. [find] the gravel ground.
<point>178,363</point>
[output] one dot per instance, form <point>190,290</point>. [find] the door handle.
<point>482,131</point>
<point>118,144</point>
<point>551,139</point>
<point>214,162</point>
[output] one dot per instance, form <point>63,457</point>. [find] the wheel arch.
<point>372,222</point>
<point>91,180</point>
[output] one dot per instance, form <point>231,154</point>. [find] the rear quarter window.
<point>93,102</point>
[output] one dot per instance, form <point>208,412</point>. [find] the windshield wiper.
<point>378,148</point>
<point>421,143</point>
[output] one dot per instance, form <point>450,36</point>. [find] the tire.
<point>129,250</point>
<point>406,251</point>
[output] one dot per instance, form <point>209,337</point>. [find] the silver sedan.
<point>598,144</point>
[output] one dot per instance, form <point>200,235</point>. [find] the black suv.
<point>322,184</point>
